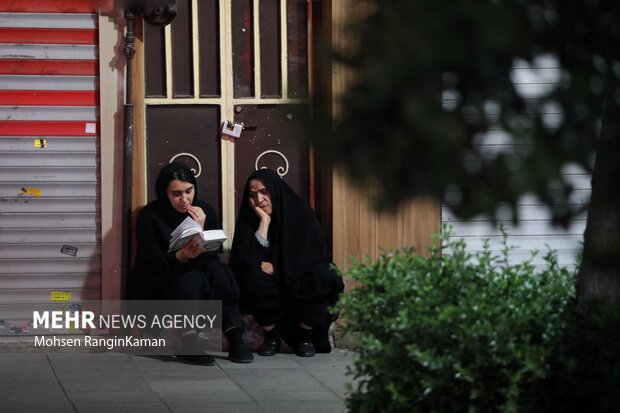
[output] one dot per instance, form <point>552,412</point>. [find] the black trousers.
<point>212,281</point>
<point>270,300</point>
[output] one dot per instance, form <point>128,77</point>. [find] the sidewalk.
<point>114,382</point>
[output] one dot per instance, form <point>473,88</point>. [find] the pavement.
<point>118,382</point>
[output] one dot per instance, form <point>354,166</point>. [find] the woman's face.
<point>260,196</point>
<point>181,195</point>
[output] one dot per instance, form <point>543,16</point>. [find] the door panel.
<point>188,134</point>
<point>297,48</point>
<point>209,49</point>
<point>243,45</point>
<point>154,61</point>
<point>269,142</point>
<point>182,52</point>
<point>270,35</point>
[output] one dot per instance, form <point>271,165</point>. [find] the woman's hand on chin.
<point>197,215</point>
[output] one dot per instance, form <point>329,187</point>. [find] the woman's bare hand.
<point>262,215</point>
<point>266,267</point>
<point>197,215</point>
<point>189,251</point>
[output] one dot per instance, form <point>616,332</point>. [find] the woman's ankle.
<point>304,334</point>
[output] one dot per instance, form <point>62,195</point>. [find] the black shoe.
<point>240,353</point>
<point>269,348</point>
<point>305,349</point>
<point>192,351</point>
<point>198,359</point>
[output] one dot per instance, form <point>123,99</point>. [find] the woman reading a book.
<point>188,273</point>
<point>281,264</point>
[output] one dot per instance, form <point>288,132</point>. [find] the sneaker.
<point>192,351</point>
<point>269,348</point>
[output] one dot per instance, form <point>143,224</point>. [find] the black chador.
<point>303,284</point>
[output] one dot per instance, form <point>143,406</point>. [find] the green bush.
<point>455,331</point>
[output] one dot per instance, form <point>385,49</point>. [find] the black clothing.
<point>303,285</point>
<point>269,300</point>
<point>295,236</point>
<point>158,275</point>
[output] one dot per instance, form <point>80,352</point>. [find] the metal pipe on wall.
<point>159,13</point>
<point>129,51</point>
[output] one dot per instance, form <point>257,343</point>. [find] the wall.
<point>357,229</point>
<point>111,70</point>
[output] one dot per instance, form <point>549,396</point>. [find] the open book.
<point>189,229</point>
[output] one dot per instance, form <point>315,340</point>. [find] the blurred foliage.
<point>432,82</point>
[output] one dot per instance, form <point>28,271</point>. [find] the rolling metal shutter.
<point>50,236</point>
<point>535,231</point>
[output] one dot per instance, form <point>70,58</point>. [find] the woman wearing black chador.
<point>280,261</point>
<point>189,273</point>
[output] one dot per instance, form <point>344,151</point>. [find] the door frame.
<point>227,102</point>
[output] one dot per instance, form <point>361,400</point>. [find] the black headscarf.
<point>163,207</point>
<point>295,236</point>
<point>156,270</point>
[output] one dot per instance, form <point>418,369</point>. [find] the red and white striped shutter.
<point>50,236</point>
